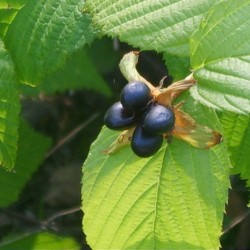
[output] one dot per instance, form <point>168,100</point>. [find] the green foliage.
<point>9,110</point>
<point>25,166</point>
<point>38,38</point>
<point>39,241</point>
<point>178,67</point>
<point>47,32</point>
<point>237,133</point>
<point>221,60</point>
<point>173,200</point>
<point>103,54</point>
<point>78,72</point>
<point>155,25</point>
<point>8,11</point>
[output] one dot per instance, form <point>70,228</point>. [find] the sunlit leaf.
<point>173,200</point>
<point>220,56</point>
<point>156,25</point>
<point>237,133</point>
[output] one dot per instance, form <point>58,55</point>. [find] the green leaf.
<point>78,72</point>
<point>104,55</point>
<point>220,56</point>
<point>156,25</point>
<point>8,11</point>
<point>237,133</point>
<point>9,110</point>
<point>39,241</point>
<point>178,67</point>
<point>44,33</point>
<point>29,155</point>
<point>173,200</point>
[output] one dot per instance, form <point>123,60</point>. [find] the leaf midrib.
<point>157,197</point>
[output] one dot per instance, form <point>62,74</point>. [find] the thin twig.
<point>22,217</point>
<point>71,134</point>
<point>236,221</point>
<point>62,213</point>
<point>45,223</point>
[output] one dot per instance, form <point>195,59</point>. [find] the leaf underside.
<point>48,31</point>
<point>155,25</point>
<point>221,60</point>
<point>173,200</point>
<point>9,110</point>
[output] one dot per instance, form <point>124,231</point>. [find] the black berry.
<point>159,119</point>
<point>135,96</point>
<point>118,118</point>
<point>145,144</point>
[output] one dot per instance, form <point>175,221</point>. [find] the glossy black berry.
<point>145,144</point>
<point>159,119</point>
<point>118,118</point>
<point>135,96</point>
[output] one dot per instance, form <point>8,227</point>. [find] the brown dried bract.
<point>187,129</point>
<point>167,95</point>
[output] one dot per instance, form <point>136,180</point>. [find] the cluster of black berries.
<point>137,108</point>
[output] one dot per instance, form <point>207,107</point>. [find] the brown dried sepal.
<point>166,96</point>
<point>199,136</point>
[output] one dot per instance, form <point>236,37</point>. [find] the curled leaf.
<point>128,68</point>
